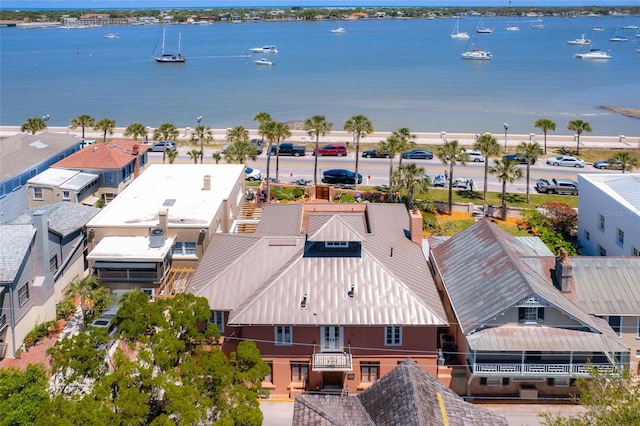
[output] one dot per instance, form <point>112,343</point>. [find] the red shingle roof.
<point>103,156</point>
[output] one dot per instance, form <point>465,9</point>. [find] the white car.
<point>565,161</point>
<point>252,174</point>
<point>474,156</point>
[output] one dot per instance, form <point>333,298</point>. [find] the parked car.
<point>565,161</point>
<point>519,158</point>
<point>251,174</point>
<point>337,150</point>
<point>559,186</point>
<point>287,148</point>
<point>440,181</point>
<point>160,146</point>
<point>474,156</point>
<point>340,176</point>
<point>607,164</point>
<point>417,154</point>
<point>375,153</point>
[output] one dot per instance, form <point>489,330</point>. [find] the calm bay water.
<point>399,73</point>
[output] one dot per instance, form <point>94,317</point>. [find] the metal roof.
<point>65,179</point>
<point>288,220</point>
<point>15,242</point>
<point>624,188</point>
<point>346,227</point>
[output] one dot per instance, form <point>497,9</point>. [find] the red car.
<point>332,149</point>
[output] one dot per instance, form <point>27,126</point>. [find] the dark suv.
<point>519,158</point>
<point>340,176</point>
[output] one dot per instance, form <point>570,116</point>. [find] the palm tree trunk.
<point>268,177</point>
<point>201,148</point>
<point>390,175</point>
<point>528,171</point>
<point>578,146</point>
<point>357,157</point>
<point>164,153</point>
<point>545,142</point>
<point>82,132</point>
<point>450,189</point>
<point>315,161</point>
<point>278,161</point>
<point>504,200</point>
<point>486,174</point>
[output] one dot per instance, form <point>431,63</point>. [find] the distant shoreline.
<point>627,112</point>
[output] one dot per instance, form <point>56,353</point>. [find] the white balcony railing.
<point>332,361</point>
<point>537,370</point>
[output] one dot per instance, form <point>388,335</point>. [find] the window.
<point>66,195</point>
<point>284,335</point>
<point>149,292</point>
<point>3,321</point>
<point>531,314</point>
<point>108,177</point>
<point>601,222</point>
<point>601,250</point>
<point>53,263</point>
<point>638,353</point>
<point>615,321</point>
<point>587,235</point>
<point>217,317</point>
<point>635,251</point>
<point>269,377</point>
<point>336,244</point>
<point>393,336</point>
<point>620,236</point>
<point>184,248</point>
<point>299,371</point>
<point>23,295</point>
<point>638,327</point>
<point>37,193</point>
<point>369,371</point>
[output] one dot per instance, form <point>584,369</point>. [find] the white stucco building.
<point>609,218</point>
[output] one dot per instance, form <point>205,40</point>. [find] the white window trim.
<point>25,292</point>
<point>66,195</point>
<point>217,318</point>
<point>279,335</point>
<point>391,342</point>
<point>336,244</point>
<point>637,327</point>
<point>38,197</point>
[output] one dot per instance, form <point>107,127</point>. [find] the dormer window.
<point>336,244</point>
<point>531,311</point>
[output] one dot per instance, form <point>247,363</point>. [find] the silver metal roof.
<point>346,227</point>
<point>15,241</point>
<point>288,220</point>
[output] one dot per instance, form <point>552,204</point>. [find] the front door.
<point>332,339</point>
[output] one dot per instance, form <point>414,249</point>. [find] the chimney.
<point>135,149</point>
<point>415,226</point>
<point>41,224</point>
<point>162,218</point>
<point>564,272</point>
<point>207,182</point>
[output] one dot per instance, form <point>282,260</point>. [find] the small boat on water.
<point>619,38</point>
<point>263,61</point>
<point>481,29</point>
<point>112,36</point>
<point>537,24</point>
<point>170,58</point>
<point>477,54</point>
<point>265,49</point>
<point>511,28</point>
<point>456,34</point>
<point>630,27</point>
<point>593,54</point>
<point>338,29</point>
<point>582,41</point>
<point>598,28</point>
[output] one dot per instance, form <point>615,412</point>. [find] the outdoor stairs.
<point>248,218</point>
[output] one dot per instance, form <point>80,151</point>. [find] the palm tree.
<point>579,127</point>
<point>237,134</point>
<point>83,121</point>
<point>203,135</point>
<point>409,180</point>
<point>489,147</point>
<point>216,156</point>
<point>627,161</point>
<point>165,132</point>
<point>360,126</point>
<point>407,141</point>
<point>531,150</point>
<point>172,155</point>
<point>33,125</point>
<point>393,145</point>
<point>194,154</point>
<point>262,118</point>
<point>93,296</point>
<point>545,125</point>
<point>317,126</point>
<point>506,171</point>
<point>105,125</point>
<point>274,132</point>
<point>241,147</point>
<point>451,153</point>
<point>135,130</point>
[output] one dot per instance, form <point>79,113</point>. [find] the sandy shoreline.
<point>627,112</point>
<point>554,139</point>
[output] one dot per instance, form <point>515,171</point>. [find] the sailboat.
<point>170,58</point>
<point>476,54</point>
<point>615,36</point>
<point>456,34</point>
<point>481,29</point>
<point>338,29</point>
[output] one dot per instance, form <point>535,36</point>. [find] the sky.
<point>156,4</point>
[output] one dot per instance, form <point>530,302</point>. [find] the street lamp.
<point>506,127</point>
<point>46,121</point>
<point>199,119</point>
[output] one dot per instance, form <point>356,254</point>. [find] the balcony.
<point>332,361</point>
<point>539,370</point>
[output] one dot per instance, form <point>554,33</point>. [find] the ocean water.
<point>399,73</point>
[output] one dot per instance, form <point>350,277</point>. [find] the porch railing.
<point>537,370</point>
<point>332,361</point>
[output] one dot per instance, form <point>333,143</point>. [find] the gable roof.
<point>407,395</point>
<point>346,227</point>
<point>64,217</point>
<point>63,179</point>
<point>621,187</point>
<point>486,271</point>
<point>15,242</point>
<point>104,156</point>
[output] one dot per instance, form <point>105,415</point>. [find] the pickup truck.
<point>557,186</point>
<point>287,148</point>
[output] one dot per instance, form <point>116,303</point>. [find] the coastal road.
<point>375,171</point>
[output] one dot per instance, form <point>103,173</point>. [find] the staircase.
<point>248,218</point>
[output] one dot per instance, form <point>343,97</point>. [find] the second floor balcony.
<point>332,361</point>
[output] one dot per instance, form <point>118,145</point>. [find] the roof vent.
<point>95,149</point>
<point>352,291</point>
<point>156,238</point>
<point>207,182</point>
<point>303,303</point>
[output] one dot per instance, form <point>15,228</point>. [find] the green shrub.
<point>279,193</point>
<point>65,308</point>
<point>347,198</point>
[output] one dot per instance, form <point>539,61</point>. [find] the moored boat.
<point>456,34</point>
<point>593,54</point>
<point>265,49</point>
<point>263,61</point>
<point>477,54</point>
<point>582,41</point>
<point>170,58</point>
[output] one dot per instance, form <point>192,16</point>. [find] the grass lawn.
<point>495,198</point>
<point>450,225</point>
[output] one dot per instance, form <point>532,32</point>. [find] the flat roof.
<point>177,187</point>
<point>112,249</point>
<point>63,178</point>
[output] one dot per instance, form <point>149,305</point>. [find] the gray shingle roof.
<point>406,396</point>
<point>15,241</point>
<point>64,217</point>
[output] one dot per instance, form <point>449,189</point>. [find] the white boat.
<point>598,29</point>
<point>619,38</point>
<point>630,27</point>
<point>481,29</point>
<point>112,36</point>
<point>263,61</point>
<point>170,58</point>
<point>265,49</point>
<point>593,54</point>
<point>582,41</point>
<point>511,28</point>
<point>537,24</point>
<point>338,29</point>
<point>477,54</point>
<point>456,34</point>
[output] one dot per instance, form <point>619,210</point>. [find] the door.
<point>332,339</point>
